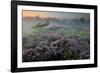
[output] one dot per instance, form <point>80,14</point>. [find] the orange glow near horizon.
<point>26,13</point>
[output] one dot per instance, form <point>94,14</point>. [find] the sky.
<point>45,14</point>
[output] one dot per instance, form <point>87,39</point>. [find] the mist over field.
<point>49,36</point>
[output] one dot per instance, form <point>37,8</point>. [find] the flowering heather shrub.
<point>64,48</point>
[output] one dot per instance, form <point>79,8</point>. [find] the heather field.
<point>56,37</point>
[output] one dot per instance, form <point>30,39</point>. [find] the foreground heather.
<point>62,48</point>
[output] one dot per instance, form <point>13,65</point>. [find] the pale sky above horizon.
<point>46,14</point>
